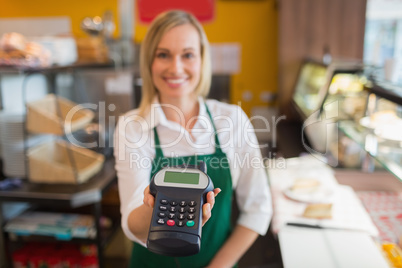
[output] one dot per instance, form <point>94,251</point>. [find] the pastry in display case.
<point>383,119</point>
<point>379,130</point>
<point>345,99</point>
<point>384,113</point>
<point>346,87</point>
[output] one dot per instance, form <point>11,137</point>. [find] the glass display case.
<point>353,122</point>
<point>325,94</point>
<point>308,88</point>
<point>379,131</point>
<point>319,84</point>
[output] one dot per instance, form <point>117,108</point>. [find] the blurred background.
<point>285,62</point>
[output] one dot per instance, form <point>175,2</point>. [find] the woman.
<point>175,125</point>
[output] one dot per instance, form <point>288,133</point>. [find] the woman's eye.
<point>188,55</point>
<point>162,55</point>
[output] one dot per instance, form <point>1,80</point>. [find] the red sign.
<point>203,10</point>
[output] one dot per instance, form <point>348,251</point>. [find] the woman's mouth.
<point>175,82</point>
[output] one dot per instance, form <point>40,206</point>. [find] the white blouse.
<point>134,151</point>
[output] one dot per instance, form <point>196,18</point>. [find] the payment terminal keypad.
<point>181,213</point>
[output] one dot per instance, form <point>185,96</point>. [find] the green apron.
<point>218,227</point>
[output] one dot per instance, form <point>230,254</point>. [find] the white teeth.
<point>176,81</point>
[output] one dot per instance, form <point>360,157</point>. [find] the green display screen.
<point>180,177</point>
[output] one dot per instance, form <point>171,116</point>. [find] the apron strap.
<point>159,152</point>
<point>217,144</point>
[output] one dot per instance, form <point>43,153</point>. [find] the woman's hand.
<point>149,201</point>
<point>207,207</point>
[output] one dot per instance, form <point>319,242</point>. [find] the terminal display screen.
<point>182,177</point>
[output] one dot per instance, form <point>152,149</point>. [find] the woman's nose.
<point>176,65</point>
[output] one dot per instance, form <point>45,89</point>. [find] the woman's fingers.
<point>149,200</point>
<point>217,191</point>
<point>207,207</point>
<point>206,213</point>
<point>211,199</point>
<point>211,196</point>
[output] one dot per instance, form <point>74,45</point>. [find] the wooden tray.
<point>50,163</point>
<point>43,115</point>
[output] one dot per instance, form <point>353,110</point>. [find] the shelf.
<point>387,153</point>
<point>74,196</point>
<point>106,235</point>
<point>54,68</point>
<point>66,194</point>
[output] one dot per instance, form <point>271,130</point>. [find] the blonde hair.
<point>161,24</point>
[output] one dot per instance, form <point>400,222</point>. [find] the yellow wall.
<point>75,9</point>
<point>252,23</point>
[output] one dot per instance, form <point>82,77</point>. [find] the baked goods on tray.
<point>318,211</point>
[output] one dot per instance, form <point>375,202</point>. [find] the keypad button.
<point>191,210</point>
<point>172,215</point>
<point>192,203</point>
<point>161,221</point>
<point>173,203</point>
<point>163,208</point>
<point>183,203</point>
<point>190,223</point>
<point>172,209</point>
<point>180,223</point>
<point>164,202</point>
<point>181,217</point>
<point>191,216</point>
<point>170,222</point>
<point>162,214</point>
<point>182,210</point>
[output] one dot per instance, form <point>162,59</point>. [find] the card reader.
<point>180,192</point>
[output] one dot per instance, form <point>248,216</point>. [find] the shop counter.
<point>346,238</point>
<point>330,248</point>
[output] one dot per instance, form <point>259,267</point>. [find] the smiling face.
<point>176,67</point>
